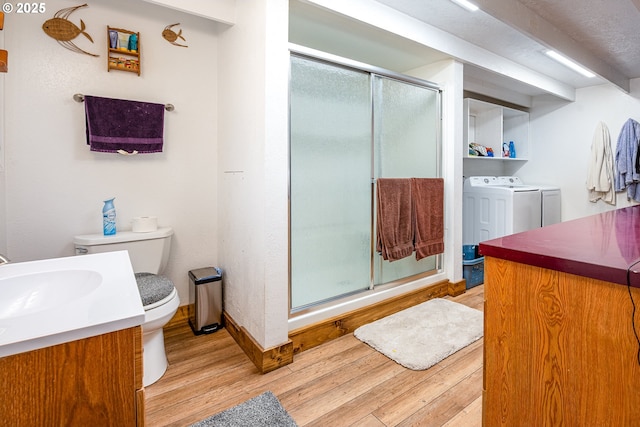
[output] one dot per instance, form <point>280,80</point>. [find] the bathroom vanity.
<point>559,345</point>
<point>95,381</point>
<point>71,343</point>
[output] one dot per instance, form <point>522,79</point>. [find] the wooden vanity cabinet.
<point>95,381</point>
<point>559,349</point>
<point>560,336</point>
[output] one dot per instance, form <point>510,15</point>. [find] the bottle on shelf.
<point>505,150</point>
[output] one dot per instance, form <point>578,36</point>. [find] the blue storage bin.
<point>469,252</point>
<point>473,272</point>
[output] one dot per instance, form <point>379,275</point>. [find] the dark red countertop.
<point>601,246</point>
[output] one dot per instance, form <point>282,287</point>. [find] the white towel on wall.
<point>600,176</point>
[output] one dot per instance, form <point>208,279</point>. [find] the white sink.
<point>33,292</point>
<point>49,302</point>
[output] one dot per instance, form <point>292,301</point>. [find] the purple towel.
<point>118,124</point>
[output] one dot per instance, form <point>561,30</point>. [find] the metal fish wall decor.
<point>64,31</point>
<point>171,36</point>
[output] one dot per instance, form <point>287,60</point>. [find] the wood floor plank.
<point>359,407</point>
<point>424,393</point>
<point>228,367</point>
<point>448,404</point>
<point>471,416</point>
<point>325,377</point>
<point>343,382</point>
<point>387,392</point>
<point>219,392</point>
<point>309,410</point>
<point>325,351</point>
<point>368,421</point>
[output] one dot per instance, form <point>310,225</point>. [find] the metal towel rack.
<point>78,97</point>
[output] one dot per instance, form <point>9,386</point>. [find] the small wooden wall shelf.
<point>4,61</point>
<point>120,57</point>
<point>4,55</point>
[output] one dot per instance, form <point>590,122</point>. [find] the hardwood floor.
<point>341,383</point>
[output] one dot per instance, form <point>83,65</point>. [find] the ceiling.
<point>604,37</point>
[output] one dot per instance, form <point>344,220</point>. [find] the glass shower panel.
<point>406,141</point>
<point>330,181</point>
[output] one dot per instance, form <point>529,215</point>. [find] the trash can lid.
<point>153,288</point>
<point>205,275</point>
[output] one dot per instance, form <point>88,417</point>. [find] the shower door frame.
<point>334,60</point>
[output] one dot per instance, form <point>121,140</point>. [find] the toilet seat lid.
<point>153,288</point>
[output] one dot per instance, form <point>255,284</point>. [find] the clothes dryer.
<point>494,207</point>
<point>549,198</point>
<point>551,211</point>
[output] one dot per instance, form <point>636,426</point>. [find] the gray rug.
<point>423,335</point>
<point>263,410</point>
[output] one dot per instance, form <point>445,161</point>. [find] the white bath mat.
<point>422,335</point>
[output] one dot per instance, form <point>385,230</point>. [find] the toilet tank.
<point>148,251</point>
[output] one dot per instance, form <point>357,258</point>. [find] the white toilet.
<point>149,253</point>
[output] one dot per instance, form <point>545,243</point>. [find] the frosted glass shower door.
<point>407,145</point>
<point>330,181</point>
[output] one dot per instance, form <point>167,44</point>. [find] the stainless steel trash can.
<point>205,290</point>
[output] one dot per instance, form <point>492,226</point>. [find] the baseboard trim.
<point>457,288</point>
<point>310,336</point>
<point>266,360</point>
<point>181,316</point>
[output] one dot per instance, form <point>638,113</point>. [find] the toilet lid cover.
<point>153,288</point>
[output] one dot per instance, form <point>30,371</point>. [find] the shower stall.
<point>351,124</point>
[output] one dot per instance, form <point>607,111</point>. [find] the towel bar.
<point>78,97</point>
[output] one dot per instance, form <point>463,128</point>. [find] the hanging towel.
<point>394,218</point>
<point>626,156</point>
<point>428,216</point>
<point>118,124</point>
<point>600,175</point>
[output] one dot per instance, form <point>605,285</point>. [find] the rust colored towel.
<point>428,216</point>
<point>394,219</point>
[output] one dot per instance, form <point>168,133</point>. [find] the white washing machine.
<point>497,206</point>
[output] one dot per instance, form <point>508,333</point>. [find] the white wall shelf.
<point>491,125</point>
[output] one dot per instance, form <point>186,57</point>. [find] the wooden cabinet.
<point>559,349</point>
<point>96,381</point>
<point>491,125</point>
<point>123,47</point>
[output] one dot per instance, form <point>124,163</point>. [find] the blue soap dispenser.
<point>109,217</point>
<point>512,150</point>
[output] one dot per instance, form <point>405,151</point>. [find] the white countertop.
<point>109,302</point>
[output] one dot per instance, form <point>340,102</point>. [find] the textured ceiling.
<point>604,37</point>
<point>608,28</point>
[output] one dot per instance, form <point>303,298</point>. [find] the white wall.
<point>253,169</point>
<point>449,76</point>
<point>3,193</point>
<point>562,134</point>
<point>55,186</point>
<point>219,10</point>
